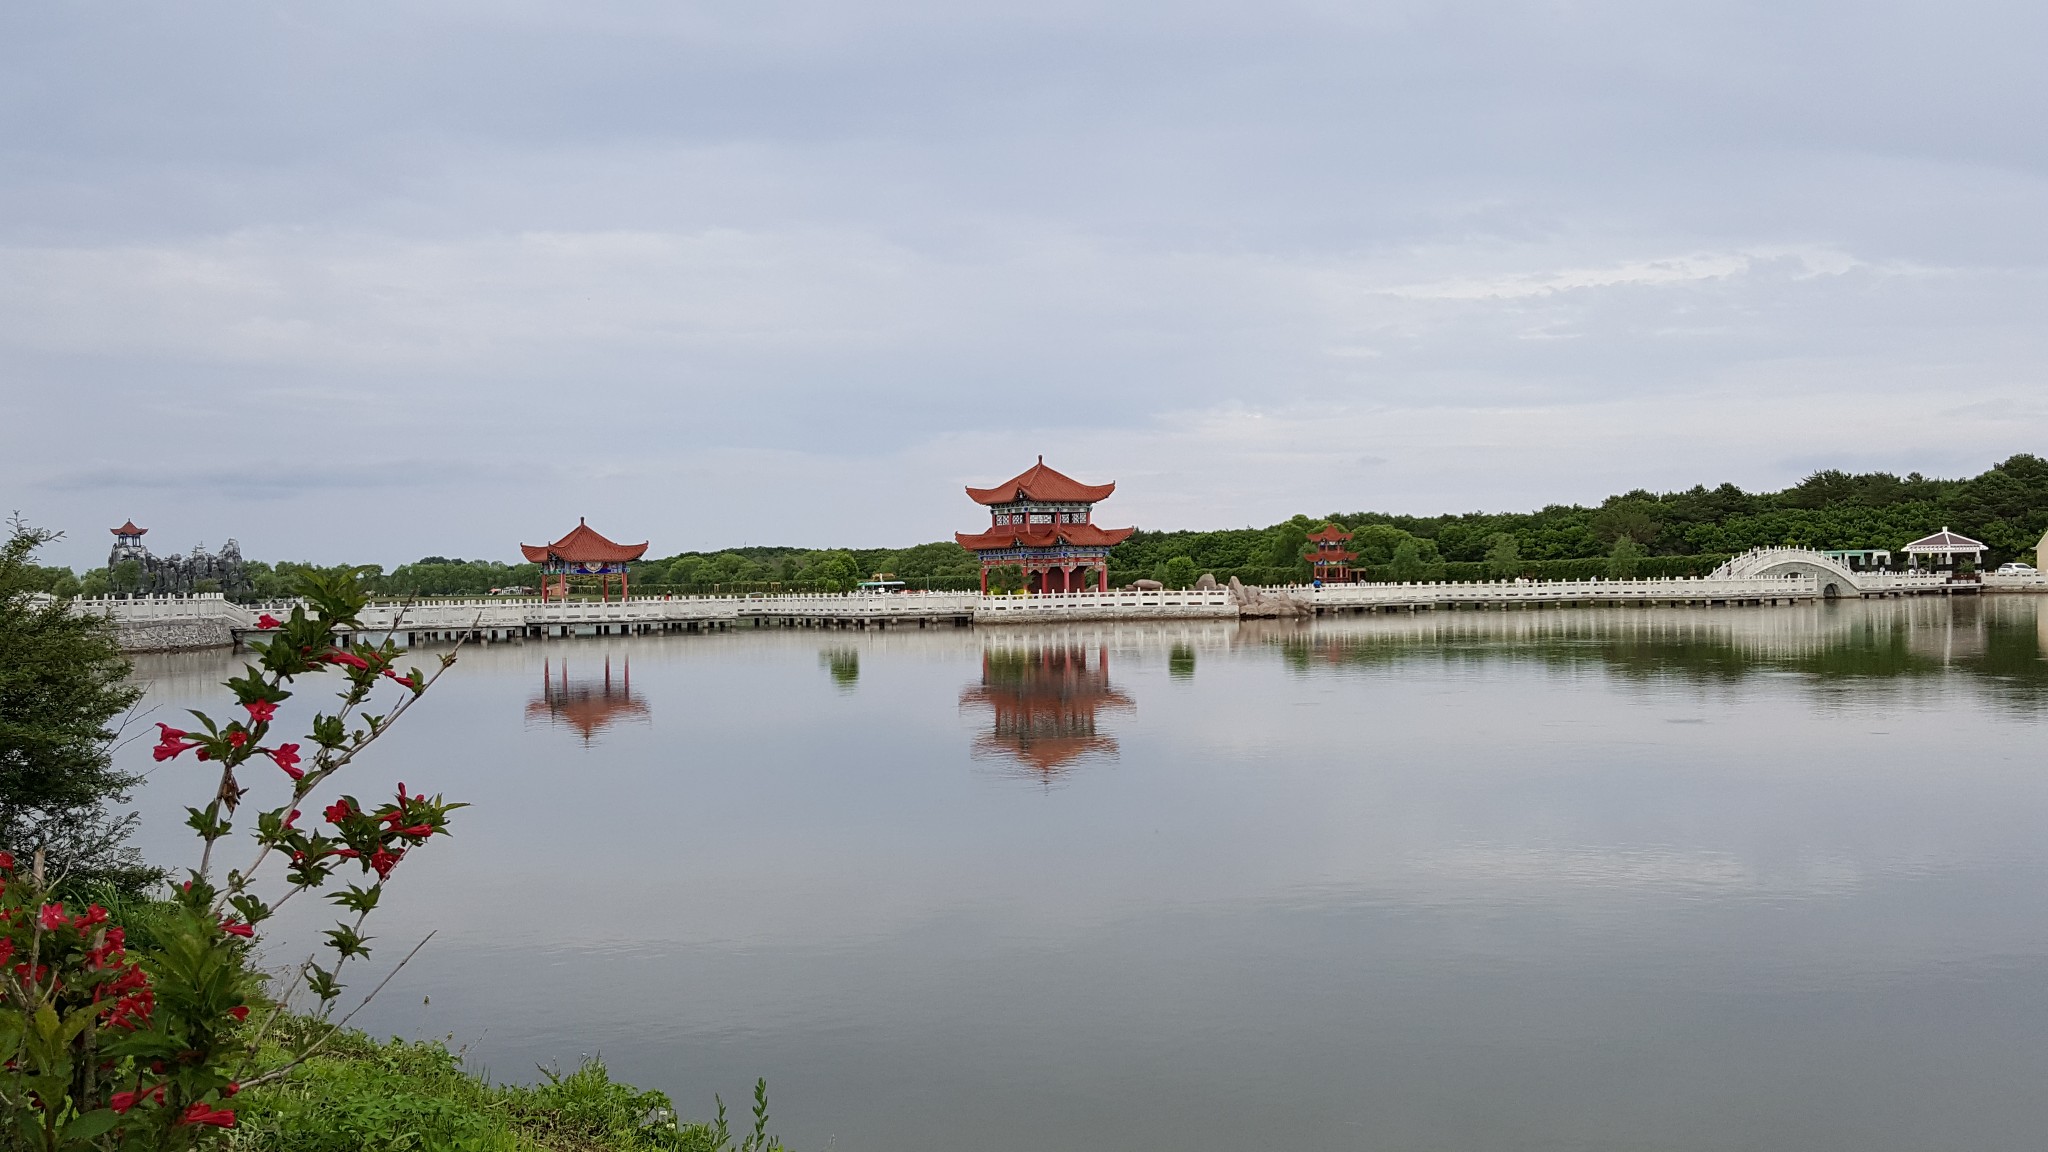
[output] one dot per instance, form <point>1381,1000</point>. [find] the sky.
<point>374,281</point>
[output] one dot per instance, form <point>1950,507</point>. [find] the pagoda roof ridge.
<point>1039,482</point>
<point>129,529</point>
<point>1331,531</point>
<point>1946,539</point>
<point>584,544</point>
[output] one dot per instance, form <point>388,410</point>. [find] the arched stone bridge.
<point>1830,576</point>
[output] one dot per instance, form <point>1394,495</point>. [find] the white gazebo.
<point>1944,549</point>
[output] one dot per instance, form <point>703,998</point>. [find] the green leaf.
<point>92,1124</point>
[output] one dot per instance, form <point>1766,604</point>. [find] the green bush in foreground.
<point>362,1095</point>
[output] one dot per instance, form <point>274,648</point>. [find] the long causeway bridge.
<point>1766,576</point>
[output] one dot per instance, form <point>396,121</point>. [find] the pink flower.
<point>260,711</point>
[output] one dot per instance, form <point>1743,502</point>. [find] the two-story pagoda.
<point>583,552</point>
<point>1043,522</point>
<point>1328,555</point>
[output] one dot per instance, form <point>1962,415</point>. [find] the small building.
<point>1044,523</point>
<point>1945,549</point>
<point>583,552</point>
<point>1328,556</point>
<point>128,544</point>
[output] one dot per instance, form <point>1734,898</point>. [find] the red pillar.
<point>623,577</point>
<point>984,579</point>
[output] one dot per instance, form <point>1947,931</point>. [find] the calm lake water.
<point>1570,879</point>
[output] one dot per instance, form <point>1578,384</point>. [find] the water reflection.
<point>1180,662</point>
<point>844,666</point>
<point>1998,641</point>
<point>1046,700</point>
<point>588,705</point>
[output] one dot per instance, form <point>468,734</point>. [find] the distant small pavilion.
<point>128,543</point>
<point>1328,556</point>
<point>583,552</point>
<point>1044,523</point>
<point>1944,549</point>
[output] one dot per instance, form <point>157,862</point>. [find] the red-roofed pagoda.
<point>583,552</point>
<point>1043,523</point>
<point>1326,552</point>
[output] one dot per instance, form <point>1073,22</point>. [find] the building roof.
<point>583,545</point>
<point>1332,532</point>
<point>129,529</point>
<point>1042,536</point>
<point>1945,541</point>
<point>1043,484</point>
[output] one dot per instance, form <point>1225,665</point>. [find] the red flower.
<point>237,928</point>
<point>202,1113</point>
<point>52,917</point>
<point>170,742</point>
<point>338,811</point>
<point>7,861</point>
<point>393,675</point>
<point>260,711</point>
<point>230,1090</point>
<point>123,1101</point>
<point>384,860</point>
<point>267,622</point>
<point>287,757</point>
<point>348,658</point>
<point>416,830</point>
<point>6,950</point>
<point>237,737</point>
<point>346,854</point>
<point>240,1012</point>
<point>295,812</point>
<point>94,914</point>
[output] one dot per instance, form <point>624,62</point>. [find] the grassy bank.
<point>365,1095</point>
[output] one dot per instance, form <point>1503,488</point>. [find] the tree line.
<point>1637,533</point>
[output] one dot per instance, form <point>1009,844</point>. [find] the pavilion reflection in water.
<point>589,705</point>
<point>1046,701</point>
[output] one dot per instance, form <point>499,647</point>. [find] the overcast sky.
<point>371,281</point>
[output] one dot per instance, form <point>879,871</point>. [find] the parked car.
<point>2017,569</point>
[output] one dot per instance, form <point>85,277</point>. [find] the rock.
<point>1207,583</point>
<point>1147,586</point>
<point>1260,604</point>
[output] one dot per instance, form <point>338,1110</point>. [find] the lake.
<point>1568,879</point>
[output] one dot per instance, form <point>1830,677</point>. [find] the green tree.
<point>1503,556</point>
<point>1622,562</point>
<point>833,571</point>
<point>1406,564</point>
<point>1008,578</point>
<point>1286,545</point>
<point>63,686</point>
<point>1178,572</point>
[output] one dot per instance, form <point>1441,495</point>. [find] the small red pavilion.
<point>583,552</point>
<point>1328,556</point>
<point>1044,523</point>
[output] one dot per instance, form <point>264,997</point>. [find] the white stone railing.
<point>1551,591</point>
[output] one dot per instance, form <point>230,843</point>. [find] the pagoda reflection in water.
<point>588,705</point>
<point>1046,700</point>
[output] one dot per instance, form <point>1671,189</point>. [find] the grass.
<point>365,1095</point>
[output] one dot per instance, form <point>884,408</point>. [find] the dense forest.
<point>1635,533</point>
